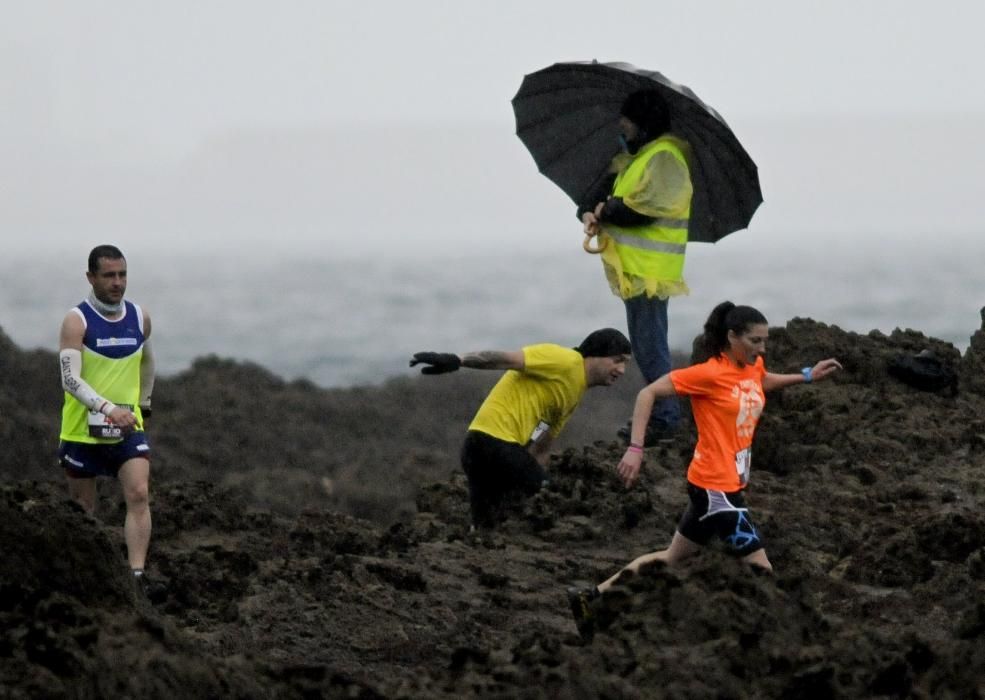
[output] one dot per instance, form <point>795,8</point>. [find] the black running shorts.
<point>720,514</point>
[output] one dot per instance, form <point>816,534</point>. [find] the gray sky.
<point>386,126</point>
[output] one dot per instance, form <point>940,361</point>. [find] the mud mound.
<point>74,625</point>
<point>867,491</point>
<point>286,446</point>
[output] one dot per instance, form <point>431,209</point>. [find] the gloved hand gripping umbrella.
<point>567,115</point>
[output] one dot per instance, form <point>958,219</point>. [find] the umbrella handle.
<point>587,244</point>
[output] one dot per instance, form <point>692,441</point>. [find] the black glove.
<point>440,362</point>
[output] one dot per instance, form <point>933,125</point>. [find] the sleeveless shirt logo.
<point>114,342</point>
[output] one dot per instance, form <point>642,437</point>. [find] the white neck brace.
<point>104,308</point>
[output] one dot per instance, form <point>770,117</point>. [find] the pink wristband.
<point>635,448</point>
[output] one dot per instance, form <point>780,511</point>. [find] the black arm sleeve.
<point>597,194</point>
<point>617,212</point>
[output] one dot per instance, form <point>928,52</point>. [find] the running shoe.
<point>155,591</point>
<point>580,600</point>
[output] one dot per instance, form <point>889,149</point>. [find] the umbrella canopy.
<point>567,115</point>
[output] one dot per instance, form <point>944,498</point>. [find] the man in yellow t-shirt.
<point>508,441</point>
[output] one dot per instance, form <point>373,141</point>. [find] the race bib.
<point>538,433</point>
<point>743,462</point>
<point>100,427</point>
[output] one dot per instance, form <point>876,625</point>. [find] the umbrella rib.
<point>533,123</point>
<point>560,155</point>
<point>735,196</point>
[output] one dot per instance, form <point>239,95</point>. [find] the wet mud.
<point>314,543</point>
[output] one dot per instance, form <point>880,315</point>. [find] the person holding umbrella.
<point>508,442</point>
<point>728,393</point>
<point>651,168</point>
<point>641,214</point>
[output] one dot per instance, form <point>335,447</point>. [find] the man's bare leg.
<point>83,492</point>
<point>134,478</point>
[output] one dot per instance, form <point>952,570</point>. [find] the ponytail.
<point>724,318</point>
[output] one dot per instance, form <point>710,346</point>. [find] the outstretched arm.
<point>441,362</point>
<point>494,359</point>
<point>820,371</point>
<point>629,465</point>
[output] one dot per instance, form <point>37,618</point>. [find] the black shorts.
<point>495,468</point>
<point>721,514</point>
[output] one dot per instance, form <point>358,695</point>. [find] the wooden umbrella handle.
<point>587,244</point>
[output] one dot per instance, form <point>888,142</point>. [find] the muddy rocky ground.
<point>314,544</point>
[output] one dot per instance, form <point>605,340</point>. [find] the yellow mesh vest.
<point>118,381</point>
<point>110,371</point>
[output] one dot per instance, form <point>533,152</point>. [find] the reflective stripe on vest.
<point>626,239</point>
<point>656,250</point>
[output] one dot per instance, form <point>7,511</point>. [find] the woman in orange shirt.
<point>727,397</point>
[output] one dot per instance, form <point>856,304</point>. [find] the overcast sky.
<point>214,120</point>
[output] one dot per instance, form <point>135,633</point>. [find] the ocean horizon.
<point>342,323</point>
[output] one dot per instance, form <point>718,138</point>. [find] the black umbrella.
<point>567,115</point>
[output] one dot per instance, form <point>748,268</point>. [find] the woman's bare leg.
<point>680,548</point>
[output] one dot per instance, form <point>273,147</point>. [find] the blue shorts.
<point>83,460</point>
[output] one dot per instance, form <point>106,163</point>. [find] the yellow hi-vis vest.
<point>647,259</point>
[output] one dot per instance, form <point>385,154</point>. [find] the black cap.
<point>648,110</point>
<point>605,342</point>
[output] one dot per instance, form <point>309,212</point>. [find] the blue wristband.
<point>808,375</point>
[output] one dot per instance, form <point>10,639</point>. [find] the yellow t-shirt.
<point>547,391</point>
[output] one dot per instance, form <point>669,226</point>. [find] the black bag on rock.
<point>923,371</point>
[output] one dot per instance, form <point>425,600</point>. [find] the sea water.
<point>345,322</point>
